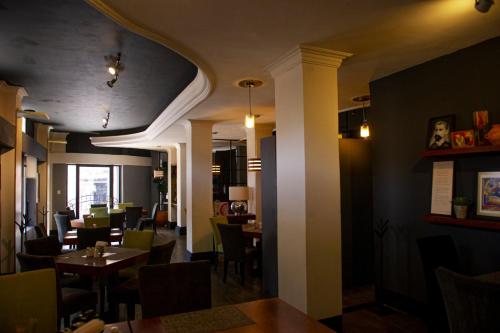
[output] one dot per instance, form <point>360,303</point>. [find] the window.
<point>92,184</point>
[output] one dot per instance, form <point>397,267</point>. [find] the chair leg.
<point>242,272</point>
<point>130,311</point>
<point>225,270</point>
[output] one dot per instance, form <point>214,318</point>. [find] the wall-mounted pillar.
<point>42,137</point>
<point>199,188</point>
<point>181,189</point>
<point>253,178</point>
<point>308,180</point>
<point>11,181</point>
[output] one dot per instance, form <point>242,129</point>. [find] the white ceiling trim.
<point>195,93</point>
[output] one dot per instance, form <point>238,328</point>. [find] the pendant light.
<point>364,130</point>
<point>250,117</point>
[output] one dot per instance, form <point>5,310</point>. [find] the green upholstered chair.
<point>142,240</point>
<point>100,222</point>
<point>217,240</point>
<point>29,298</point>
<point>123,205</point>
<point>116,211</point>
<point>99,211</point>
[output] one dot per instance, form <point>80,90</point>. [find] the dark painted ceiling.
<point>56,50</point>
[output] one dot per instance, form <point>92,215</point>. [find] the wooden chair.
<point>471,304</point>
<point>149,221</point>
<point>46,246</point>
<point>116,220</point>
<point>87,237</point>
<point>99,211</point>
<point>174,288</point>
<point>29,297</point>
<point>128,291</point>
<point>133,215</point>
<point>234,247</point>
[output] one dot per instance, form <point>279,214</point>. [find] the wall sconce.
<point>254,164</point>
<point>216,169</point>
<point>105,121</point>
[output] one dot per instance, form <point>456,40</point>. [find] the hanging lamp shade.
<point>249,84</point>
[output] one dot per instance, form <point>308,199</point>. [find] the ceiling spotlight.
<point>484,6</point>
<point>112,82</point>
<point>114,67</point>
<point>105,121</point>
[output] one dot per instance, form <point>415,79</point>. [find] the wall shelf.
<point>462,151</point>
<point>466,223</point>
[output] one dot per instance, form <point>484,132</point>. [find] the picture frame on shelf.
<point>488,194</point>
<point>462,139</point>
<point>439,132</point>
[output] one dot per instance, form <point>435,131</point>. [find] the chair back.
<point>40,230</point>
<point>116,210</point>
<point>217,240</point>
<point>63,226</point>
<point>29,262</point>
<point>29,297</point>
<point>133,215</point>
<point>46,246</point>
<point>161,254</point>
<point>134,239</point>
<point>87,237</point>
<point>436,251</point>
<point>116,220</point>
<point>233,241</point>
<point>174,288</point>
<point>99,222</point>
<point>154,212</point>
<point>98,205</point>
<point>123,205</point>
<point>99,211</point>
<point>471,304</point>
<point>69,212</point>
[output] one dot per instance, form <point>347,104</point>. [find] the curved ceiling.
<point>56,50</point>
<point>240,39</point>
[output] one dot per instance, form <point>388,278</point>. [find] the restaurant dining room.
<point>282,166</point>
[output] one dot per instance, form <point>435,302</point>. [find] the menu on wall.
<point>442,187</point>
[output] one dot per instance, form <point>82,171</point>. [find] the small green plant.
<point>462,201</point>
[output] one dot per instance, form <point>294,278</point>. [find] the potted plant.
<point>460,205</point>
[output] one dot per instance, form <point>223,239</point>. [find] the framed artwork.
<point>462,139</point>
<point>439,133</point>
<point>488,194</point>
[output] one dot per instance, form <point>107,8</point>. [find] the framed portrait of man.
<point>439,133</point>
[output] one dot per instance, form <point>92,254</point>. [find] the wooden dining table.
<point>71,238</point>
<point>268,316</point>
<point>113,260</point>
<point>252,230</point>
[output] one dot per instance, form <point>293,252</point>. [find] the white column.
<point>308,180</point>
<point>199,186</point>
<point>181,187</point>
<point>172,162</point>
<point>253,178</point>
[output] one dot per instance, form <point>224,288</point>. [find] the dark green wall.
<point>459,84</point>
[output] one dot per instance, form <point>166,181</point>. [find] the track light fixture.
<point>484,6</point>
<point>114,68</point>
<point>105,121</point>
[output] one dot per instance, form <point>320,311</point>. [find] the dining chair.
<point>96,222</point>
<point>233,243</point>
<point>40,230</point>
<point>436,251</point>
<point>46,246</point>
<point>472,304</point>
<point>99,211</point>
<point>123,205</point>
<point>116,220</point>
<point>135,239</point>
<point>29,298</point>
<point>87,237</point>
<point>174,288</point>
<point>149,221</point>
<point>69,300</point>
<point>217,242</point>
<point>133,214</point>
<point>63,226</point>
<point>128,291</point>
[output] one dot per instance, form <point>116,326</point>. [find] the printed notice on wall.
<point>442,187</point>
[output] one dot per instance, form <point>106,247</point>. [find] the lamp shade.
<point>238,193</point>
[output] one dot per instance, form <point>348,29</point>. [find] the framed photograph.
<point>488,194</point>
<point>462,139</point>
<point>439,133</point>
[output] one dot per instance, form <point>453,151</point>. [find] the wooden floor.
<point>361,314</point>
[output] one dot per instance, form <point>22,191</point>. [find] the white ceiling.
<point>232,40</point>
